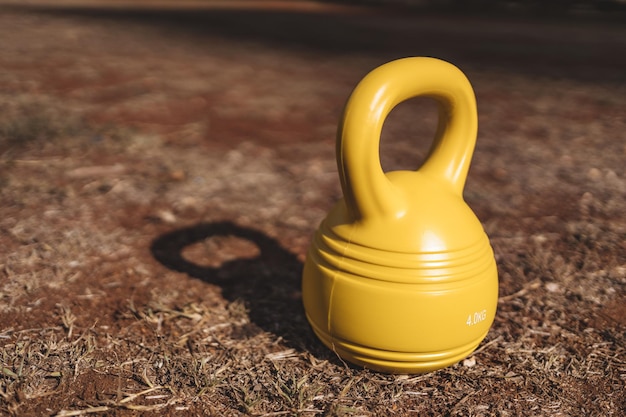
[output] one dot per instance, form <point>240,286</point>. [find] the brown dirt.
<point>162,170</point>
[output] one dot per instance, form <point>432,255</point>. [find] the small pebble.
<point>469,362</point>
<point>178,175</point>
<point>594,174</point>
<point>166,216</point>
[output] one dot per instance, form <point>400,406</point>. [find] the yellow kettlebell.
<point>400,276</point>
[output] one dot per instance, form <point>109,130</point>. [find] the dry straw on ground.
<point>161,174</point>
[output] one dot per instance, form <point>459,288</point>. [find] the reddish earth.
<point>163,168</point>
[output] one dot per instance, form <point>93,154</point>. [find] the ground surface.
<point>162,172</point>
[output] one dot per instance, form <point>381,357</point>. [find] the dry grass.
<point>155,214</point>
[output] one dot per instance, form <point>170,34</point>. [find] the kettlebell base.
<point>396,362</point>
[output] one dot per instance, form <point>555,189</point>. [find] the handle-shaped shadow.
<point>269,283</point>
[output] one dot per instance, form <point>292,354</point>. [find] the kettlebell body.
<point>400,276</point>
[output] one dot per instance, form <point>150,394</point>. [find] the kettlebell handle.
<point>367,191</point>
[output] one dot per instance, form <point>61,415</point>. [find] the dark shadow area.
<point>269,284</point>
<point>561,47</point>
<point>531,7</point>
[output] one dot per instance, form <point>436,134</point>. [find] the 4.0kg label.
<point>476,317</point>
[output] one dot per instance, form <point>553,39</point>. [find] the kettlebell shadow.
<point>268,284</point>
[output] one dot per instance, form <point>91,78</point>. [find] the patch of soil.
<point>162,170</point>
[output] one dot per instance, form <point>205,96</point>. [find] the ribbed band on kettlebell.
<point>427,267</point>
<point>379,359</point>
